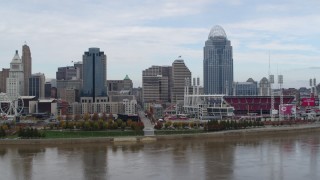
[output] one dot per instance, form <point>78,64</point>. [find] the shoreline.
<point>218,135</point>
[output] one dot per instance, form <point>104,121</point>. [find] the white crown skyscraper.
<point>217,63</point>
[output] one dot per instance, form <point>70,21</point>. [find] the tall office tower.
<point>37,85</point>
<point>94,73</point>
<point>27,67</point>
<point>4,74</point>
<point>47,90</point>
<point>156,85</point>
<point>217,63</point>
<point>179,73</point>
<point>15,81</point>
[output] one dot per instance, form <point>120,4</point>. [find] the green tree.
<point>104,117</point>
<point>86,117</point>
<point>87,125</point>
<point>77,117</point>
<point>119,122</point>
<point>95,117</point>
<point>115,125</point>
<point>2,132</point>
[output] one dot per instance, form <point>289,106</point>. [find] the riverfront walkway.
<point>147,122</point>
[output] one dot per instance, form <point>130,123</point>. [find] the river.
<point>294,156</point>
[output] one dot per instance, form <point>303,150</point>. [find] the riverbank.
<point>220,135</point>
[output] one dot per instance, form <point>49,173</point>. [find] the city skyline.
<point>143,33</point>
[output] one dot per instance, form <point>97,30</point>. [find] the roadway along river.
<point>286,157</point>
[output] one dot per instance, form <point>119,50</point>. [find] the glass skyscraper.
<point>94,73</point>
<point>218,63</point>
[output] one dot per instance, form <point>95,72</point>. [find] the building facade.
<point>37,85</point>
<point>130,106</point>
<point>94,73</point>
<point>27,67</point>
<point>4,74</point>
<point>63,85</point>
<point>156,84</point>
<point>264,87</point>
<point>118,86</point>
<point>68,73</point>
<point>47,90</point>
<point>218,63</point>
<point>101,105</point>
<point>248,88</point>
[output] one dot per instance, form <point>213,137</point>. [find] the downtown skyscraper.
<point>27,67</point>
<point>217,63</point>
<point>94,73</point>
<point>156,84</point>
<point>179,74</point>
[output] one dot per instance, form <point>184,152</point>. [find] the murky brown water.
<point>289,157</point>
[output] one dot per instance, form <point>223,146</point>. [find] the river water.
<point>286,157</point>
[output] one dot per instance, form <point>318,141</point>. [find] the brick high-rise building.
<point>179,74</point>
<point>4,74</point>
<point>156,84</point>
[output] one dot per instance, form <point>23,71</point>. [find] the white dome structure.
<point>217,31</point>
<point>16,58</point>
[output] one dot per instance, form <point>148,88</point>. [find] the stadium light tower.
<point>280,81</point>
<point>271,81</point>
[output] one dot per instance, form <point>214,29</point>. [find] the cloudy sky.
<point>136,34</point>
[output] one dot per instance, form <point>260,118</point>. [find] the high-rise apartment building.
<point>37,85</point>
<point>15,81</point>
<point>156,85</point>
<point>179,74</point>
<point>218,63</point>
<point>27,67</point>
<point>4,74</point>
<point>94,73</point>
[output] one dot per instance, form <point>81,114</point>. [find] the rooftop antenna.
<point>269,72</point>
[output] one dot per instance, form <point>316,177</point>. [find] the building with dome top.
<point>15,81</point>
<point>217,63</point>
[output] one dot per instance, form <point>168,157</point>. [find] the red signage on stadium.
<point>307,102</point>
<point>287,109</point>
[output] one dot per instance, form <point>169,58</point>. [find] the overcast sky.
<point>136,34</point>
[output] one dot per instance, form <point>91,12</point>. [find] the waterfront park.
<point>94,126</point>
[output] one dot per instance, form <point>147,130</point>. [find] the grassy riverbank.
<point>54,137</point>
<point>88,134</point>
<point>91,134</point>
